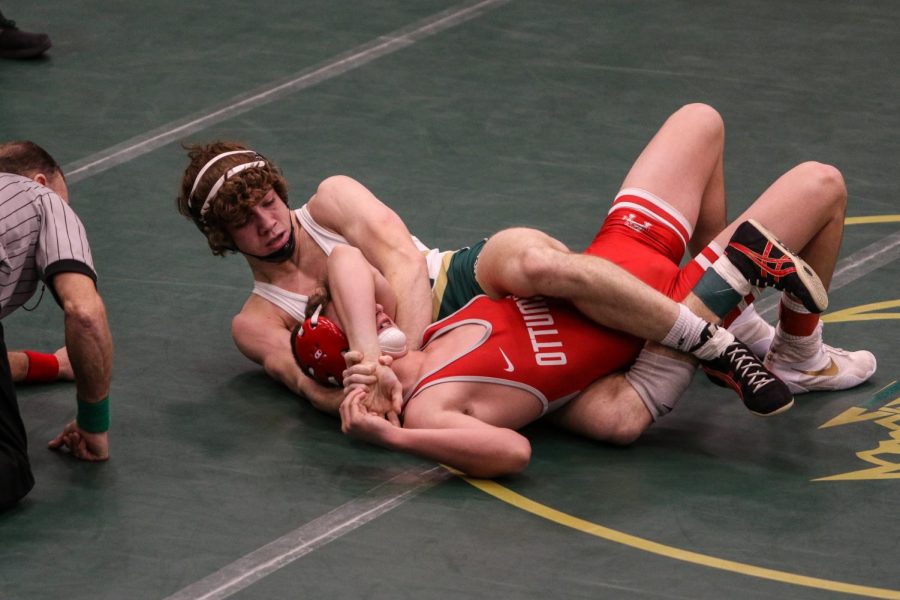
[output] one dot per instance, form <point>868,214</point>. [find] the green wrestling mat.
<point>465,117</point>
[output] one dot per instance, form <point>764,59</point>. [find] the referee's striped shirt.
<point>40,236</point>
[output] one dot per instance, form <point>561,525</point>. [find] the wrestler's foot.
<point>755,332</point>
<point>766,262</point>
<point>731,362</point>
<point>807,364</point>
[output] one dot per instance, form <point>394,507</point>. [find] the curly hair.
<point>232,203</point>
<point>321,296</point>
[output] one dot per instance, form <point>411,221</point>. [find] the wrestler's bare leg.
<point>805,208</point>
<point>682,164</point>
<point>609,410</point>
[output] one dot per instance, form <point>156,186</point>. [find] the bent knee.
<point>827,182</point>
<point>538,263</point>
<point>514,240</point>
<point>16,478</point>
<point>704,117</point>
<point>515,261</point>
<point>829,177</point>
<point>624,434</point>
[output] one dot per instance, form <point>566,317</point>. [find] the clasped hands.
<point>373,397</point>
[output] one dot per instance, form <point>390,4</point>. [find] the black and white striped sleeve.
<point>63,245</point>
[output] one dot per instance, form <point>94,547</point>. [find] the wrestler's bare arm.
<point>19,366</point>
<point>354,285</point>
<point>349,208</point>
<point>352,282</point>
<point>447,437</point>
<point>264,338</point>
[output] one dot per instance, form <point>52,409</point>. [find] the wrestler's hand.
<point>361,373</point>
<point>82,444</point>
<point>357,421</point>
<point>384,392</point>
<point>386,395</point>
<point>358,373</point>
<point>65,366</point>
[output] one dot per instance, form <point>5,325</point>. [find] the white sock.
<point>732,275</point>
<point>685,333</point>
<point>807,350</point>
<point>716,345</point>
<point>791,303</point>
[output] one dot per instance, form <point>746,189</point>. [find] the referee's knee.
<point>16,479</point>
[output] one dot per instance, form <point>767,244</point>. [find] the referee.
<point>42,240</point>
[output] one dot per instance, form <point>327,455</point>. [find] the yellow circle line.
<point>872,219</point>
<point>863,312</point>
<point>521,502</point>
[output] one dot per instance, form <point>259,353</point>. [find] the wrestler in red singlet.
<point>548,348</point>
<point>542,346</point>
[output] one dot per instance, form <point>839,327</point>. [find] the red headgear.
<point>319,345</point>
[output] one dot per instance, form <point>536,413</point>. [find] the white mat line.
<point>359,56</point>
<point>258,564</point>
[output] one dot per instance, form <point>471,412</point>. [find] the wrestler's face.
<point>267,228</point>
<point>382,319</point>
<point>391,338</point>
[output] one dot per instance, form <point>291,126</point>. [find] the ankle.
<point>713,342</point>
<point>795,319</point>
<point>797,348</point>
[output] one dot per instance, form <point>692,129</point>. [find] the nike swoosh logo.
<point>509,366</point>
<point>831,369</point>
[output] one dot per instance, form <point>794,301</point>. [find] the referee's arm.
<point>87,334</point>
<point>90,352</point>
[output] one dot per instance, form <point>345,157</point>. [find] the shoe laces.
<point>7,23</point>
<point>748,367</point>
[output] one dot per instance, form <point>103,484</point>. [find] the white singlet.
<point>293,303</point>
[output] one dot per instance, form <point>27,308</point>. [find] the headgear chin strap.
<point>280,255</point>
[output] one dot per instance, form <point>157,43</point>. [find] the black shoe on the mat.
<point>15,43</point>
<point>738,368</point>
<point>766,262</point>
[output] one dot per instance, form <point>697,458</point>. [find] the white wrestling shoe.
<point>754,331</point>
<point>807,364</point>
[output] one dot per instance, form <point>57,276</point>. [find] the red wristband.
<point>41,367</point>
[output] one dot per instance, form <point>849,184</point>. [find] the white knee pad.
<point>659,380</point>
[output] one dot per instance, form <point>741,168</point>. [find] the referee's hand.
<point>82,444</point>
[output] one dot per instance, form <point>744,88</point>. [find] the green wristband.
<point>93,416</point>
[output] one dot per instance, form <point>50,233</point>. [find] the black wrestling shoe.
<point>766,262</point>
<point>738,368</point>
<point>15,43</point>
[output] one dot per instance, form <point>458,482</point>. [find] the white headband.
<point>232,171</point>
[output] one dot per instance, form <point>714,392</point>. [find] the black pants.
<point>16,479</point>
